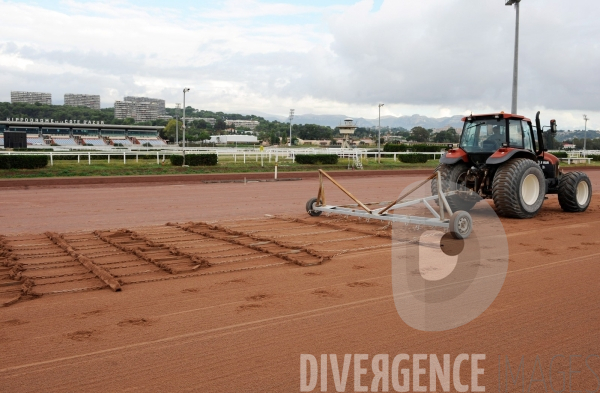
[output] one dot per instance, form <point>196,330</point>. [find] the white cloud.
<point>435,58</point>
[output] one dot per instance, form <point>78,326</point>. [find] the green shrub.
<point>317,159</point>
<point>395,148</point>
<point>594,157</point>
<point>559,154</point>
<point>195,160</point>
<point>414,158</point>
<point>23,161</point>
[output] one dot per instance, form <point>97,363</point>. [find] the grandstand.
<point>93,141</point>
<point>34,140</point>
<point>121,141</point>
<point>64,141</point>
<point>152,141</point>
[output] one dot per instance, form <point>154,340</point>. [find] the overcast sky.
<point>428,57</point>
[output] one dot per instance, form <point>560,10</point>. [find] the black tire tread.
<point>567,191</point>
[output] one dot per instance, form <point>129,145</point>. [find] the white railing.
<point>87,153</point>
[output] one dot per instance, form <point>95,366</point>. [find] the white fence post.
<point>78,158</point>
<point>89,159</point>
<point>244,157</point>
<point>108,158</point>
<point>51,160</point>
<point>124,159</point>
<point>157,158</point>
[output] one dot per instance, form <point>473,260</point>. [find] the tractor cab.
<point>484,135</point>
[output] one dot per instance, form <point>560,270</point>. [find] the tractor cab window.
<point>527,141</point>
<point>515,132</point>
<point>485,136</point>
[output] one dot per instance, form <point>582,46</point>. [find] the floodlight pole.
<point>291,118</point>
<point>185,90</point>
<point>516,58</point>
<point>379,136</point>
<point>585,135</point>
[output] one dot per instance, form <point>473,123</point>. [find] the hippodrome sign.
<point>28,120</point>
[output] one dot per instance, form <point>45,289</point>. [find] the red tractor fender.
<point>506,153</point>
<point>452,156</point>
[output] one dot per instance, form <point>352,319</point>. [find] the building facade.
<point>86,100</point>
<point>160,104</point>
<point>139,111</point>
<point>251,124</point>
<point>30,97</point>
<point>75,128</point>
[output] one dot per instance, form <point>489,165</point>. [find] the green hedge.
<point>395,148</point>
<point>317,159</point>
<point>195,160</point>
<point>23,161</point>
<point>559,154</point>
<point>414,158</point>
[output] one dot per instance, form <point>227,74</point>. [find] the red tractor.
<point>501,157</point>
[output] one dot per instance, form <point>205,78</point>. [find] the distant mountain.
<point>580,134</point>
<point>406,122</point>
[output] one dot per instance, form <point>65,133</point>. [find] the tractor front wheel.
<point>574,192</point>
<point>453,179</point>
<point>519,188</point>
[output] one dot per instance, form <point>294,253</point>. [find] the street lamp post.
<point>291,118</point>
<point>516,57</point>
<point>379,136</point>
<point>185,90</point>
<point>585,135</point>
<point>177,124</point>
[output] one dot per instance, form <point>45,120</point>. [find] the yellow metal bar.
<point>345,191</point>
<point>401,197</point>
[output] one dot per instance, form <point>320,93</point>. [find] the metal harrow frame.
<point>459,223</point>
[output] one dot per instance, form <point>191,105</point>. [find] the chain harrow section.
<point>53,263</point>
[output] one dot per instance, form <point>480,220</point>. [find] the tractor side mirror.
<point>553,126</point>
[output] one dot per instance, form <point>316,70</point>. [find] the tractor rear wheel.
<point>519,188</point>
<point>453,178</point>
<point>574,192</point>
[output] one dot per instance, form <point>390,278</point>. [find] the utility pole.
<point>177,106</point>
<point>291,118</point>
<point>379,136</point>
<point>585,135</point>
<point>185,90</point>
<point>516,57</point>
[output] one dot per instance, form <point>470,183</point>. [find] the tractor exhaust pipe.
<point>540,134</point>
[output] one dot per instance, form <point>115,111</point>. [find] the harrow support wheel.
<point>574,192</point>
<point>461,225</point>
<point>312,202</point>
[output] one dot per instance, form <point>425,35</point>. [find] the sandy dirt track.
<point>217,297</point>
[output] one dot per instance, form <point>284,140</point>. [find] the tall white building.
<point>30,97</point>
<point>86,100</point>
<point>140,111</point>
<point>160,104</point>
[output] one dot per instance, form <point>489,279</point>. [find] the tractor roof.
<point>504,115</point>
